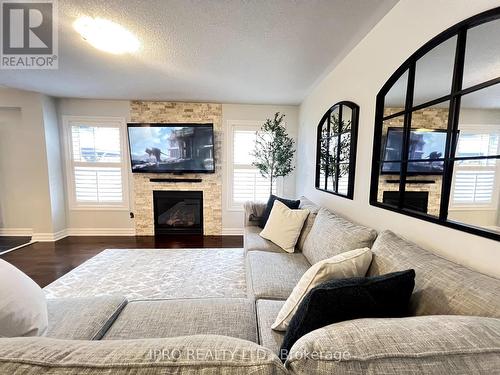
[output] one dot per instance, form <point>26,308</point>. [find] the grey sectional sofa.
<point>455,328</point>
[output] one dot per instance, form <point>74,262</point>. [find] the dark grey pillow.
<point>292,204</point>
<point>385,296</point>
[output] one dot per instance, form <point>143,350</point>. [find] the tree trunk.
<point>271,187</point>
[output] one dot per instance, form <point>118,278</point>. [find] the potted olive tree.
<point>274,150</point>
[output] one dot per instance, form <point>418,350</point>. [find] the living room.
<point>248,177</point>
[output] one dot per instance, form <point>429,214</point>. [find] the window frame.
<point>232,126</point>
<point>95,121</point>
<point>352,148</point>
<point>454,97</point>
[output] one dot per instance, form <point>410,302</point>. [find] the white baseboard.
<point>101,231</point>
<point>16,232</point>
<point>232,231</point>
<point>50,237</point>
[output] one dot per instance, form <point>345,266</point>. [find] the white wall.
<point>86,221</point>
<point>13,171</point>
<point>359,77</point>
<point>54,164</point>
<point>232,221</point>
<point>28,151</point>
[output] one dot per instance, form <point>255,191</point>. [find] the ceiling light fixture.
<point>106,35</point>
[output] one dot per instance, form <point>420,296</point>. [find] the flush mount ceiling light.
<point>106,35</point>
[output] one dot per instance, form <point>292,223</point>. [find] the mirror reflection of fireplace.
<point>178,212</point>
<point>413,200</point>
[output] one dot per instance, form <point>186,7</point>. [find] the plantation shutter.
<point>97,165</point>
<point>475,182</point>
<point>247,182</point>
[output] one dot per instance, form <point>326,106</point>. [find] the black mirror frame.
<point>459,30</point>
<point>352,148</point>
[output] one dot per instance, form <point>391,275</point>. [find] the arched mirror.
<point>436,153</point>
<point>336,149</point>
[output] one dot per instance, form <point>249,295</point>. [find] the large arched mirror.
<point>436,152</point>
<point>336,149</point>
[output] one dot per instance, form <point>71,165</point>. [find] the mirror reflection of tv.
<point>426,145</point>
<point>171,148</point>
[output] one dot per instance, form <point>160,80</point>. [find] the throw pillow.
<point>292,204</point>
<point>23,308</point>
<point>284,226</point>
<point>385,296</point>
<point>350,264</point>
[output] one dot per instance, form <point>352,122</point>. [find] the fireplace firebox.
<point>413,200</point>
<point>178,212</point>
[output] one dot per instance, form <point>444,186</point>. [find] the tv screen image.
<point>171,148</point>
<point>425,147</point>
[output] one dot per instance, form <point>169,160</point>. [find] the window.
<point>96,163</point>
<point>475,182</point>
<point>437,131</point>
<point>245,181</point>
<point>336,150</point>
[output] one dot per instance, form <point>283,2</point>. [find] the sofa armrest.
<point>253,212</point>
<point>440,344</point>
<point>209,354</point>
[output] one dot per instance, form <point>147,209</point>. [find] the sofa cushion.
<point>352,263</point>
<point>441,286</point>
<point>291,204</point>
<point>274,275</point>
<point>267,311</point>
<point>284,226</point>
<point>412,346</point>
<point>82,318</point>
<point>23,307</point>
<point>234,317</point>
<point>187,355</point>
<point>384,296</point>
<point>253,241</point>
<point>306,204</point>
<point>331,235</point>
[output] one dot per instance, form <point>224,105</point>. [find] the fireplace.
<point>414,200</point>
<point>178,212</point>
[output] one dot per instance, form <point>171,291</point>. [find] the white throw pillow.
<point>284,226</point>
<point>352,263</point>
<point>23,307</point>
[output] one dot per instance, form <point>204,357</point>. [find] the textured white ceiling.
<point>237,51</point>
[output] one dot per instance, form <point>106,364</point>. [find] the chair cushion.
<point>306,204</point>
<point>331,235</point>
<point>253,241</point>
<point>234,317</point>
<point>274,275</point>
<point>82,318</point>
<point>441,286</point>
<point>267,311</point>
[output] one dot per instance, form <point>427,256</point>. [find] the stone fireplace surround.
<point>211,183</point>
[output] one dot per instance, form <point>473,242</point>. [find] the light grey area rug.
<point>156,274</point>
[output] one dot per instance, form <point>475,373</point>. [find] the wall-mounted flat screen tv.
<point>171,148</point>
<point>426,150</point>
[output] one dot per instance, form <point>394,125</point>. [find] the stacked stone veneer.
<point>211,185</point>
<point>429,118</point>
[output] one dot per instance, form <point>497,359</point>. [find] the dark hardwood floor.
<point>10,242</point>
<point>45,262</point>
